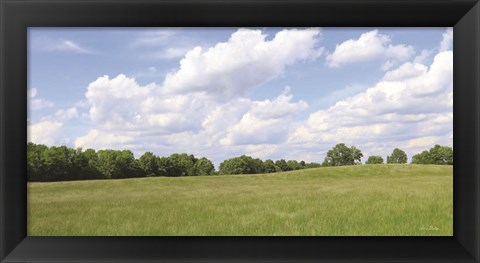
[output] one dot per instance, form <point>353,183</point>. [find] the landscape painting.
<point>240,131</point>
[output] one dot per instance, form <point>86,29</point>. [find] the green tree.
<point>165,167</point>
<point>269,166</point>
<point>302,165</point>
<point>282,165</point>
<point>422,158</point>
<point>397,156</point>
<point>257,165</point>
<point>203,166</point>
<point>90,169</point>
<point>148,164</point>
<point>36,167</point>
<point>59,162</point>
<point>293,165</point>
<point>372,159</point>
<point>436,155</point>
<point>183,164</point>
<point>241,165</point>
<point>342,155</point>
<point>441,155</point>
<point>118,164</point>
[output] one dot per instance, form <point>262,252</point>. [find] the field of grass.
<point>402,200</point>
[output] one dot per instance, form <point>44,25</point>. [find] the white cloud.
<point>153,38</point>
<point>59,45</point>
<point>102,140</point>
<point>203,103</point>
<point>176,123</point>
<point>410,107</point>
<point>349,90</point>
<point>64,115</point>
<point>68,45</point>
<point>263,151</point>
<point>406,71</point>
<point>423,55</point>
<point>244,62</point>
<point>266,122</point>
<point>168,53</point>
<point>45,132</point>
<point>447,40</point>
<point>369,46</point>
<point>164,44</point>
<point>37,103</point>
<point>203,107</point>
<point>49,129</point>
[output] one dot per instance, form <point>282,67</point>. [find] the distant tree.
<point>302,164</point>
<point>107,163</point>
<point>422,158</point>
<point>90,169</point>
<point>372,159</point>
<point>165,167</point>
<point>397,156</point>
<point>36,167</point>
<point>436,155</point>
<point>269,166</point>
<point>184,164</point>
<point>293,165</point>
<point>441,155</point>
<point>241,165</point>
<point>59,162</point>
<point>342,155</point>
<point>203,166</point>
<point>327,161</point>
<point>258,166</point>
<point>148,164</point>
<point>281,165</point>
<point>118,164</point>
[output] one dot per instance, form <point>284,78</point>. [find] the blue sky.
<point>290,93</point>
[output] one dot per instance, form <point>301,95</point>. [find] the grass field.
<point>361,200</point>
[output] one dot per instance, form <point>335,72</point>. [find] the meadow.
<point>361,200</point>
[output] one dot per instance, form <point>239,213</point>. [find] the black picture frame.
<point>17,15</point>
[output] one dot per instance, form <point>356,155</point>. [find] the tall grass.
<point>366,200</point>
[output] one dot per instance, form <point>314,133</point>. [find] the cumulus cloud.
<point>204,106</point>
<point>49,129</point>
<point>247,60</point>
<point>45,132</point>
<point>447,40</point>
<point>126,118</point>
<point>66,114</point>
<point>204,102</point>
<point>369,46</point>
<point>36,103</point>
<point>406,71</point>
<point>266,122</point>
<point>168,53</point>
<point>164,44</point>
<point>410,107</point>
<point>102,140</point>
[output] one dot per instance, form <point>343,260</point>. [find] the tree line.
<point>341,155</point>
<point>60,163</point>
<point>248,165</point>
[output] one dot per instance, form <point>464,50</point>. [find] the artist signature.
<point>429,228</point>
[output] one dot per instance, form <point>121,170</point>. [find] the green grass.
<point>366,200</point>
